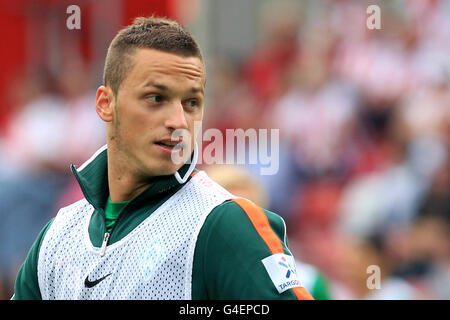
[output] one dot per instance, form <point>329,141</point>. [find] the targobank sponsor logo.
<point>282,272</point>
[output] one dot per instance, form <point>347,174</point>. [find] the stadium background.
<point>364,119</point>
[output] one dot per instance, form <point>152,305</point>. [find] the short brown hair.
<point>146,32</point>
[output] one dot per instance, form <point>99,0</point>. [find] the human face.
<point>162,93</point>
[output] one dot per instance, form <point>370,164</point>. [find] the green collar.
<point>92,177</point>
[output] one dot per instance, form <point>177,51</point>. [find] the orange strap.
<point>262,226</point>
<point>194,173</point>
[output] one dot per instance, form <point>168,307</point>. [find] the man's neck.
<point>124,188</point>
<point>123,184</point>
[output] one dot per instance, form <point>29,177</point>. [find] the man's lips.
<point>170,143</point>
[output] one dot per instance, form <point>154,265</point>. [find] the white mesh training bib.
<point>154,261</point>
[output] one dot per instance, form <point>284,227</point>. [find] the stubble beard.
<point>128,161</point>
<point>125,161</point>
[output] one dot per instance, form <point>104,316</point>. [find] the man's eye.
<point>155,98</point>
<point>192,103</point>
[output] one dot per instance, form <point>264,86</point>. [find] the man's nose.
<point>176,118</point>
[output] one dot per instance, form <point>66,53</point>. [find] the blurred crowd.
<point>53,125</point>
<point>364,154</point>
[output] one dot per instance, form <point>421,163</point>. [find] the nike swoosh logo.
<point>90,284</point>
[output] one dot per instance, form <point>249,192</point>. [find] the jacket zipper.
<point>107,234</point>
<point>104,243</point>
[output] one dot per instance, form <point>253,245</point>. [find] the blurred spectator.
<point>59,127</point>
<point>239,182</point>
<point>385,199</point>
<point>437,200</point>
<point>362,253</point>
<point>428,263</point>
<point>264,69</point>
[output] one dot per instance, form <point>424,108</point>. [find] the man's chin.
<point>163,166</point>
<point>164,171</point>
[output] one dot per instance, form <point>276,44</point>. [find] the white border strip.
<point>191,167</point>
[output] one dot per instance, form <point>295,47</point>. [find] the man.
<point>149,228</point>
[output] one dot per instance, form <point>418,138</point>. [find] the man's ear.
<point>104,103</point>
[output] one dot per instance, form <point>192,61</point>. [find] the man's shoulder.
<point>241,207</point>
<point>241,216</point>
<point>237,254</point>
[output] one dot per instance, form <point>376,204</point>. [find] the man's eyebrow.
<point>197,89</point>
<point>165,88</point>
<point>157,86</point>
